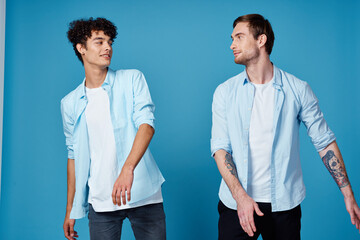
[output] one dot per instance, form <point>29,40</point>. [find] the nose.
<point>232,46</point>
<point>108,46</point>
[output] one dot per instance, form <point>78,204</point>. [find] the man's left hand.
<point>123,184</point>
<point>354,211</point>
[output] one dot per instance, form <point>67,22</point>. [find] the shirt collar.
<point>277,77</point>
<point>246,77</point>
<point>107,84</point>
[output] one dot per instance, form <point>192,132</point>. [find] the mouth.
<point>236,53</point>
<point>107,56</point>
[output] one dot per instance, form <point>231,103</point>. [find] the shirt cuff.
<point>323,141</point>
<point>218,144</point>
<point>148,122</point>
<point>71,154</point>
<point>77,213</point>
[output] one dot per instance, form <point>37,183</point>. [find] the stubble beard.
<point>248,57</point>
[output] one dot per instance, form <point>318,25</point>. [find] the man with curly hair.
<point>108,124</point>
<point>255,142</point>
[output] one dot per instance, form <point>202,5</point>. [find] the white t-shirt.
<point>104,169</point>
<point>260,142</point>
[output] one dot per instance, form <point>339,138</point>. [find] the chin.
<point>239,61</point>
<point>106,64</point>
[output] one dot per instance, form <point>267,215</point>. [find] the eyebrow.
<point>98,38</point>
<point>237,34</point>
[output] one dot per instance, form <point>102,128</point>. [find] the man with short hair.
<point>108,124</point>
<point>255,142</point>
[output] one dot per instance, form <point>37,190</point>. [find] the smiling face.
<point>98,50</point>
<point>246,49</point>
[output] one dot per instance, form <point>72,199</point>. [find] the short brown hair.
<point>258,25</point>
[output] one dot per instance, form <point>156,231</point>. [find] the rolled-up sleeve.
<point>313,119</point>
<point>143,106</point>
<point>68,125</point>
<point>219,132</point>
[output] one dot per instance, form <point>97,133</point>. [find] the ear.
<point>81,48</point>
<point>262,40</point>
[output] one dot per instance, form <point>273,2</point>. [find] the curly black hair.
<point>80,30</point>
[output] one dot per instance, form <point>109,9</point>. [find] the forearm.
<point>228,172</point>
<point>70,186</point>
<point>332,159</point>
<point>141,143</point>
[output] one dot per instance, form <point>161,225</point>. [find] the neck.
<point>261,71</point>
<point>95,77</point>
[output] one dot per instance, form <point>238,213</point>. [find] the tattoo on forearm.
<point>336,169</point>
<point>230,164</point>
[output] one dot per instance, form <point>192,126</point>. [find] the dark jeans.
<point>283,225</point>
<point>147,222</point>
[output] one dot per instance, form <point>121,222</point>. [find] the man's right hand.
<point>245,209</point>
<point>69,229</point>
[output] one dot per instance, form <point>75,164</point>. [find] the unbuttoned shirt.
<point>130,106</point>
<point>294,102</point>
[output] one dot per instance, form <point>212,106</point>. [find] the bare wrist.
<point>238,193</point>
<point>68,211</point>
<point>347,192</point>
<point>128,167</point>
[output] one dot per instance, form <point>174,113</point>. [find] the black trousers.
<point>283,225</point>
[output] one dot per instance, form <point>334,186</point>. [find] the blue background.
<point>182,47</point>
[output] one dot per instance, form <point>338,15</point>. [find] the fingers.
<point>116,195</point>
<point>118,199</point>
<point>355,218</point>
<point>128,195</point>
<point>125,192</point>
<point>120,195</point>
<point>113,195</point>
<point>66,232</point>
<point>123,189</point>
<point>246,217</point>
<point>245,224</point>
<point>69,231</point>
<point>257,210</point>
<point>352,217</point>
<point>252,224</point>
<point>357,213</point>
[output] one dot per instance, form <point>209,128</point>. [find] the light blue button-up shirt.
<point>294,103</point>
<point>130,106</point>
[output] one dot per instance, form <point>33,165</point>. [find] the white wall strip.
<point>2,61</point>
